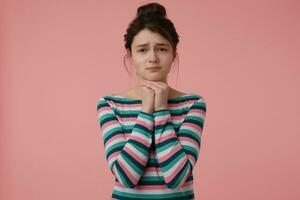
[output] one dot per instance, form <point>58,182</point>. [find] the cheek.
<point>138,61</point>
<point>139,67</point>
<point>167,70</point>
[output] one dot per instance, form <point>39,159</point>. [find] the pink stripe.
<point>115,154</point>
<point>171,177</point>
<point>155,187</point>
<point>106,108</point>
<point>198,111</point>
<point>183,138</point>
<point>111,123</point>
<point>192,125</point>
<point>128,173</point>
<point>191,158</point>
<point>136,157</point>
<point>115,137</point>
<point>169,154</point>
<point>150,169</point>
<point>140,121</point>
<point>144,124</point>
<point>164,138</point>
<point>137,138</point>
<point>164,120</point>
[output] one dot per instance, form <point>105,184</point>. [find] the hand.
<point>147,96</point>
<point>161,90</point>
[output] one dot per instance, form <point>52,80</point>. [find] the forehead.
<point>146,37</point>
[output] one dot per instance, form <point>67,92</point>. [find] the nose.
<point>153,57</point>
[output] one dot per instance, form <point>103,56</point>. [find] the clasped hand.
<point>161,90</point>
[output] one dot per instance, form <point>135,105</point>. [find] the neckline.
<point>171,99</point>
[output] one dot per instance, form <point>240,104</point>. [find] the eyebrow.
<point>159,44</point>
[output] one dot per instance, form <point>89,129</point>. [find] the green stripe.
<point>176,180</point>
<point>135,165</point>
<point>123,175</point>
<point>153,196</point>
<point>161,144</point>
<point>190,134</point>
<point>170,162</point>
<point>115,148</point>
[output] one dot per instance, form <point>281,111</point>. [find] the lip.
<point>152,68</point>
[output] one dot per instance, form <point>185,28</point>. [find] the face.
<point>150,49</point>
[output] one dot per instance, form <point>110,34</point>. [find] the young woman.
<point>152,132</point>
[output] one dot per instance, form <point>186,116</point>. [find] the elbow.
<point>172,186</point>
<point>123,179</point>
<point>179,180</point>
<point>128,184</point>
<point>175,184</point>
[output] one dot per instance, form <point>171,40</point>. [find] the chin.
<point>155,78</point>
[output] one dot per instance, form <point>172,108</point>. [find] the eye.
<point>141,50</point>
<point>163,49</point>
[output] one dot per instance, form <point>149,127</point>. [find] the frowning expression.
<point>150,49</point>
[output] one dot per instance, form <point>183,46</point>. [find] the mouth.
<point>153,68</point>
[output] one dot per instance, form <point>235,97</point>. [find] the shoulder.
<point>196,100</point>
<point>192,95</point>
<point>104,100</point>
<point>177,93</point>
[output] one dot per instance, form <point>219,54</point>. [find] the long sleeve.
<point>177,153</point>
<point>126,158</point>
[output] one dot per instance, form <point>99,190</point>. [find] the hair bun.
<point>151,10</point>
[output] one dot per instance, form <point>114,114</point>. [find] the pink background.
<point>59,57</point>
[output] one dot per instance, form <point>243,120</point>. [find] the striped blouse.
<point>152,156</point>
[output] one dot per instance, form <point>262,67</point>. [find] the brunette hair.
<point>153,17</point>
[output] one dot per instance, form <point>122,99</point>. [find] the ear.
<point>174,56</point>
<point>128,52</point>
<point>128,56</point>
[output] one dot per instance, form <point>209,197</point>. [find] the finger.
<point>152,86</point>
<point>146,88</point>
<point>155,89</point>
<point>149,83</point>
<point>158,84</point>
<point>158,88</point>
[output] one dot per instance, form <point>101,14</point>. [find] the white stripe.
<point>152,191</point>
<point>111,161</point>
<point>172,169</point>
<point>150,174</point>
<point>197,114</point>
<point>109,128</point>
<point>115,141</point>
<point>166,151</point>
<point>190,144</point>
<point>128,167</point>
<point>192,129</point>
<point>118,175</point>
<point>165,133</point>
<point>137,152</point>
<point>162,117</point>
<point>103,112</point>
<point>142,136</point>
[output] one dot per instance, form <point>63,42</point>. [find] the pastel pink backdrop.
<point>59,57</point>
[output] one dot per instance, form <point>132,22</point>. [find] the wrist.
<point>150,111</point>
<point>161,108</point>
